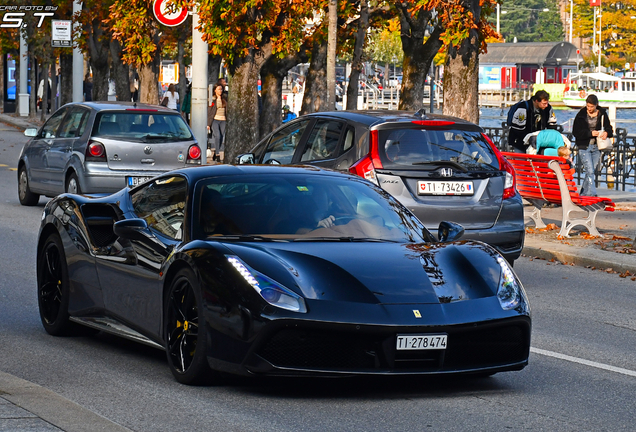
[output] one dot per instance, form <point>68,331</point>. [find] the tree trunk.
<point>273,73</point>
<point>461,76</point>
<point>331,55</point>
<point>120,72</point>
<point>98,50</point>
<point>183,82</point>
<point>418,55</point>
<point>149,75</point>
<point>149,83</point>
<point>242,105</point>
<point>66,78</point>
<point>242,109</point>
<point>315,96</point>
<point>356,63</point>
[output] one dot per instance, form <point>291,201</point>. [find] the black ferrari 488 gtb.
<point>272,270</point>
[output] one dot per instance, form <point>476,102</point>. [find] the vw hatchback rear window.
<point>419,148</point>
<point>142,126</point>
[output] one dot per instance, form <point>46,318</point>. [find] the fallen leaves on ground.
<point>587,236</point>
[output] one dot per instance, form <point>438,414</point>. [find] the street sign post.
<point>61,34</point>
<point>167,17</point>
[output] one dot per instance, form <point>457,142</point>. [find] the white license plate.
<point>445,188</point>
<point>421,342</point>
<point>135,181</point>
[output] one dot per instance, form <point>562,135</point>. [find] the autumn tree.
<point>134,26</point>
<point>358,43</point>
<point>95,38</point>
<point>421,32</point>
<point>315,94</point>
<point>386,46</point>
<point>246,35</point>
<point>466,30</point>
<point>618,35</point>
<point>273,73</point>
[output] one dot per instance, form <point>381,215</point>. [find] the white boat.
<point>611,91</point>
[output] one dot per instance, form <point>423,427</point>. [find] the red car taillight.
<point>194,155</point>
<point>95,152</point>
<point>366,166</point>
<point>510,184</point>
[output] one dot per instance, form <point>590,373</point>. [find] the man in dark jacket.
<point>529,116</point>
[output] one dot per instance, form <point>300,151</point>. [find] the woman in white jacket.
<point>173,97</point>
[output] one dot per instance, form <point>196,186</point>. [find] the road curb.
<point>53,408</point>
<point>591,257</point>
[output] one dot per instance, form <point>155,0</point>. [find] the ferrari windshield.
<point>300,207</point>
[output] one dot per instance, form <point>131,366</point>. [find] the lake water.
<point>625,118</point>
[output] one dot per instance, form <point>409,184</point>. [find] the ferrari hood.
<point>385,273</point>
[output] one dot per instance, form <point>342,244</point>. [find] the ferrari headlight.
<point>509,292</point>
<point>272,292</point>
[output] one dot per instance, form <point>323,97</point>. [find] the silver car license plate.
<point>421,342</point>
<point>135,181</point>
<point>445,188</point>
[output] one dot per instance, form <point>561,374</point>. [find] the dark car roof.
<point>375,117</point>
<point>204,171</point>
<point>117,105</point>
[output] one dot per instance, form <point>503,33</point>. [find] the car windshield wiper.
<point>442,162</point>
<point>153,137</point>
<point>243,237</point>
<point>344,239</point>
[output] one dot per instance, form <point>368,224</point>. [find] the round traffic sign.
<point>167,18</point>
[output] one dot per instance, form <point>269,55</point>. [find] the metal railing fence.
<point>617,168</point>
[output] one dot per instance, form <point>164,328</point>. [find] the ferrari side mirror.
<point>245,159</point>
<point>132,229</point>
<point>449,231</point>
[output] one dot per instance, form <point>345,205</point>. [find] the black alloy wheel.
<point>53,287</point>
<point>26,197</point>
<point>185,333</point>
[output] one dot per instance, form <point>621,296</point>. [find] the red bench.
<point>549,179</point>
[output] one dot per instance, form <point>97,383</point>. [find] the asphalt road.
<point>582,372</point>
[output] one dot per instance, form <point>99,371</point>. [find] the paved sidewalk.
<point>27,407</point>
<point>20,122</point>
<point>614,251</point>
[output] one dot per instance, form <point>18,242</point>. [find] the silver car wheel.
<point>72,186</point>
<point>23,185</point>
<point>25,195</point>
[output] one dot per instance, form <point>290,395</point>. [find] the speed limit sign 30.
<point>167,17</point>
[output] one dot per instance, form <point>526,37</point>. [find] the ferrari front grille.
<point>468,348</point>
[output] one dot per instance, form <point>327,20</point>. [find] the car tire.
<point>185,330</point>
<point>53,287</point>
<point>72,185</point>
<point>26,197</point>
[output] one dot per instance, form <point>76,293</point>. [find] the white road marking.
<point>584,362</point>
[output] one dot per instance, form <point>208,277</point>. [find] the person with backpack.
<point>546,142</point>
<point>529,116</point>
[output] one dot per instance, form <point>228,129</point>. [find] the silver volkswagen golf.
<point>100,147</point>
